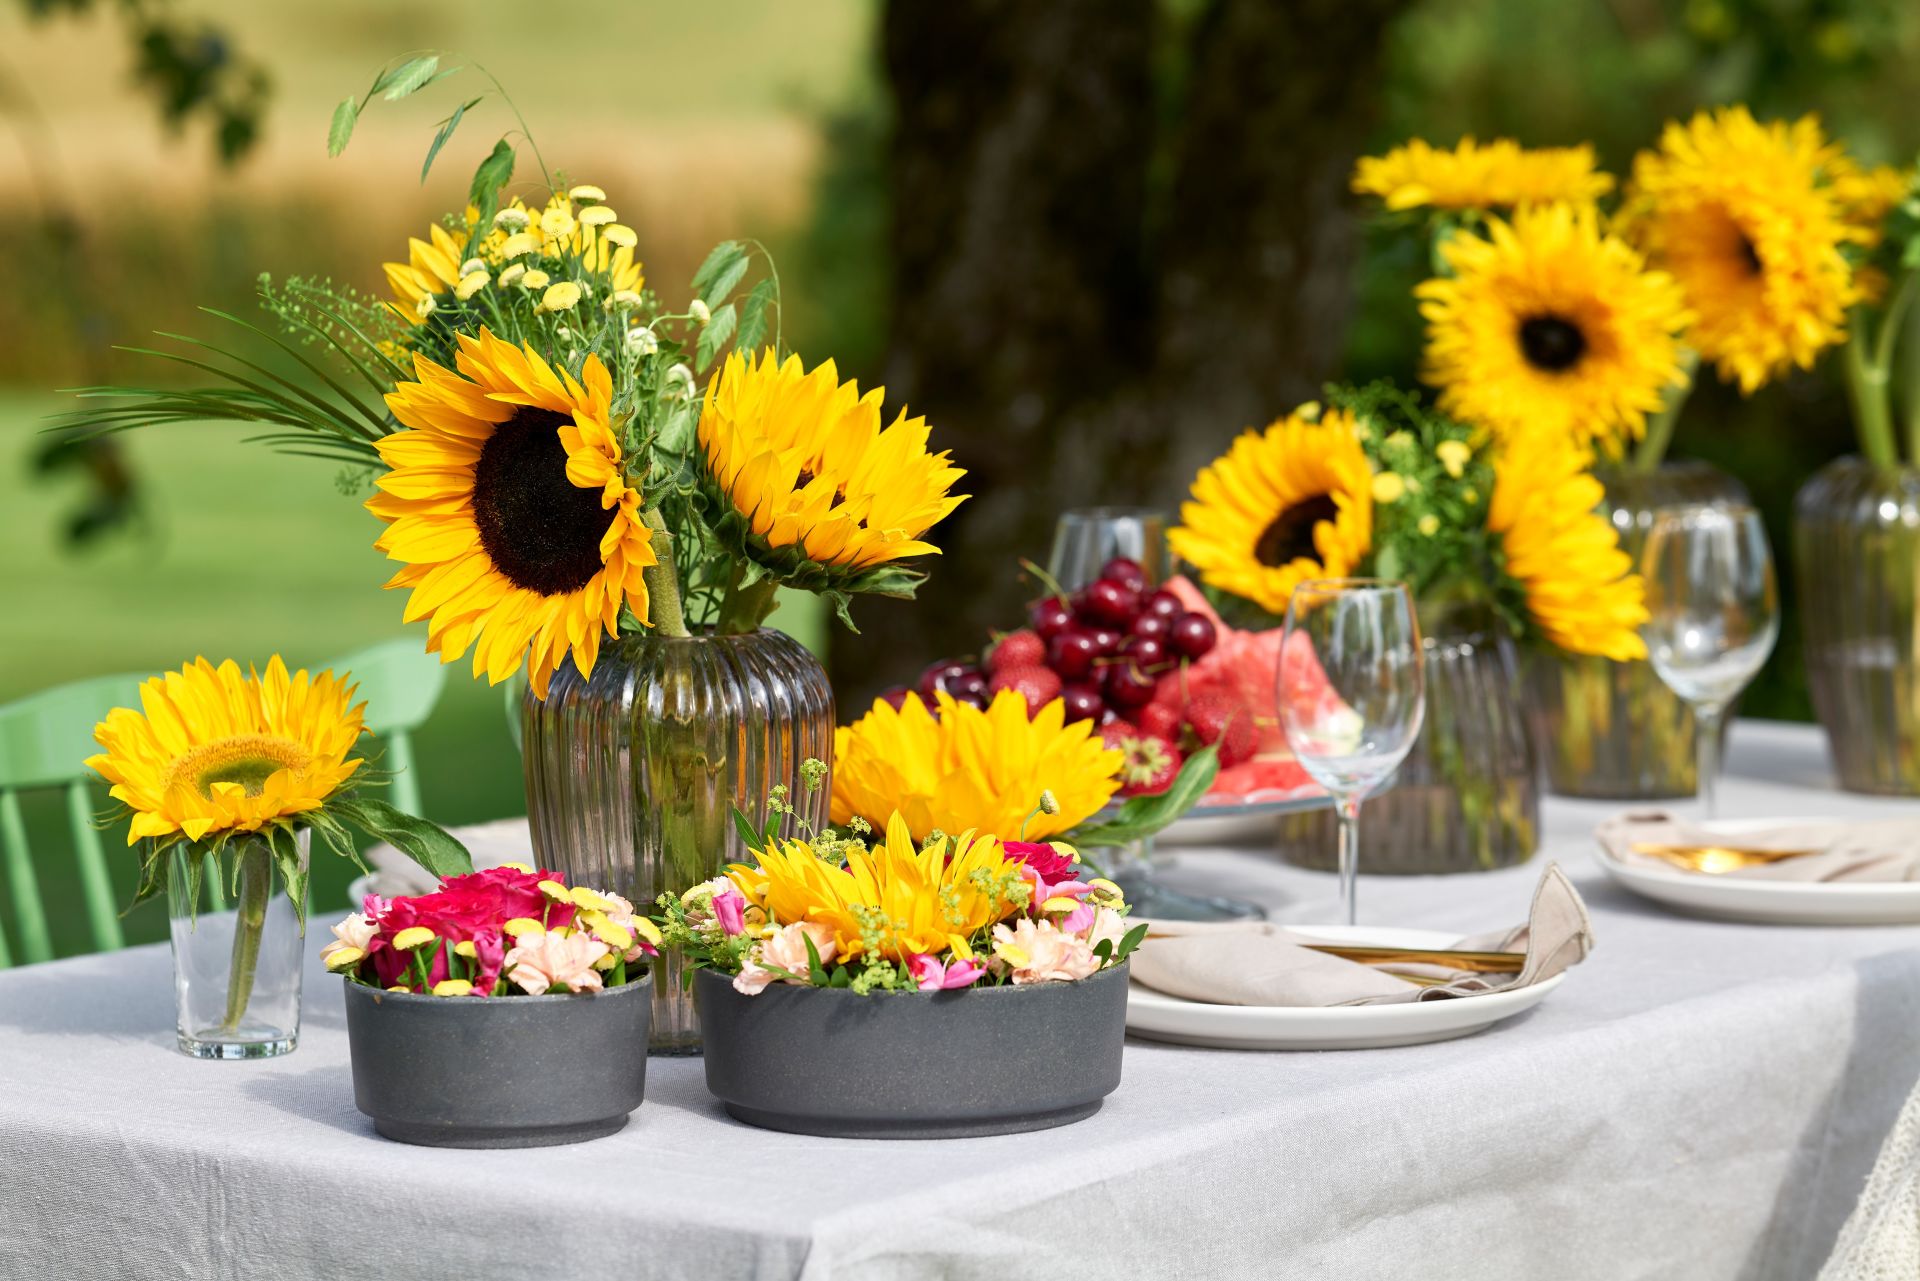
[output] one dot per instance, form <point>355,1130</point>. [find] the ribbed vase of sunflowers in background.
<point>583,483</point>
<point>1502,547</point>
<point>1736,246</point>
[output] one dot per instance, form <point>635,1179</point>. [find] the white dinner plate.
<point>1160,1017</point>
<point>1732,898</point>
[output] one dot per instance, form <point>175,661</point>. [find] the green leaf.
<point>1142,816</point>
<point>493,173</point>
<point>447,127</point>
<point>713,338</point>
<point>412,75</point>
<point>753,316</point>
<point>720,259</point>
<point>724,281</point>
<point>340,131</point>
<point>744,827</point>
<point>284,845</point>
<point>1129,941</point>
<point>423,842</point>
<point>816,972</point>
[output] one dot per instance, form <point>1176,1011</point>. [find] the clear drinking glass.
<point>236,974</point>
<point>1085,538</point>
<point>1351,721</point>
<point>1713,614</point>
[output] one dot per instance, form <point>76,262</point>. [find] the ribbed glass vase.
<point>633,773</point>
<point>1467,798</point>
<point>1614,730</point>
<point>1856,552</point>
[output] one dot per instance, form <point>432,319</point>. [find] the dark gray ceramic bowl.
<point>914,1065</point>
<point>501,1071</point>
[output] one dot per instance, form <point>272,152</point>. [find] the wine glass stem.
<point>1349,847</point>
<point>1706,740</point>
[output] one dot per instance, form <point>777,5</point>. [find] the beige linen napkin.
<point>1259,963</point>
<point>1880,850</point>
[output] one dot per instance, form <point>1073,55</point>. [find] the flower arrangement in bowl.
<point>980,982</point>
<point>506,1009</point>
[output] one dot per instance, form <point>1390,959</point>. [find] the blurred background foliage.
<point>161,155</point>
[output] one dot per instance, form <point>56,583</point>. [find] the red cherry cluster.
<point>1103,652</point>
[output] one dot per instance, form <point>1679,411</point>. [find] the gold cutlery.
<point>1713,859</point>
<point>1473,962</point>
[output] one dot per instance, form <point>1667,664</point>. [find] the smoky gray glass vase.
<point>1467,798</point>
<point>633,773</point>
<point>1614,730</point>
<point>1856,553</point>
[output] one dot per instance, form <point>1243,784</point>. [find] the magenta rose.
<point>1047,862</point>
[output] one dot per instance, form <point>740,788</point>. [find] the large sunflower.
<point>1550,324</point>
<point>1282,505</point>
<point>509,503</point>
<point>1500,174</point>
<point>1748,218</point>
<point>811,475</point>
<point>917,900</point>
<point>216,751</point>
<point>966,769</point>
<point>431,271</point>
<point>1580,587</point>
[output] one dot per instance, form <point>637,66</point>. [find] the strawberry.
<point>1158,720</point>
<point>1150,763</point>
<point>1225,723</point>
<point>1023,648</point>
<point>1038,685</point>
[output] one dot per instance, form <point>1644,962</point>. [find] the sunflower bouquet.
<point>558,455</point>
<point>895,910</point>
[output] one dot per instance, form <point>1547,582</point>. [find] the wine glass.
<point>1713,614</point>
<point>1352,693</point>
<point>1086,538</point>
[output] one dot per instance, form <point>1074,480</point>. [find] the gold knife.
<point>1714,859</point>
<point>1448,958</point>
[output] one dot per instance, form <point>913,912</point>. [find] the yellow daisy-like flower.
<point>215,751</point>
<point>508,501</point>
<point>1749,219</point>
<point>1283,505</point>
<point>924,898</point>
<point>1497,175</point>
<point>806,464</point>
<point>1580,586</point>
<point>966,769</point>
<point>1550,324</point>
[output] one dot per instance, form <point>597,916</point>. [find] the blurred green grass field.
<point>247,553</point>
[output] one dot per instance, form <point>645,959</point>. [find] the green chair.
<point>46,737</point>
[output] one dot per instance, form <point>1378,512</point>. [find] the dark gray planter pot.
<point>914,1065</point>
<point>498,1072</point>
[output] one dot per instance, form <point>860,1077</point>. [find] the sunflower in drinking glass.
<point>1547,323</point>
<point>1283,505</point>
<point>1753,221</point>
<point>509,504</point>
<point>810,487</point>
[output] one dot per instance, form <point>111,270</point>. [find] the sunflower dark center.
<point>1551,343</point>
<point>1290,536</point>
<point>540,529</point>
<point>1750,256</point>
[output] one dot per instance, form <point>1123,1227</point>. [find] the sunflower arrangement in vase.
<point>579,480</point>
<point>1012,953</point>
<point>224,779</point>
<point>1565,302</point>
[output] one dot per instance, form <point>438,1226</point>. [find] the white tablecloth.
<point>1698,1101</point>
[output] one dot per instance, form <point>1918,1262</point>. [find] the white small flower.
<point>470,284</point>
<point>562,332</point>
<point>679,383</point>
<point>472,265</point>
<point>643,341</point>
<point>587,191</point>
<point>597,216</point>
<point>512,220</point>
<point>698,310</point>
<point>626,297</point>
<point>425,307</point>
<point>512,274</point>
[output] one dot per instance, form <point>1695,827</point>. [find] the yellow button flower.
<point>470,284</point>
<point>535,280</point>
<point>1388,487</point>
<point>1454,455</point>
<point>518,867</point>
<point>414,936</point>
<point>557,222</point>
<point>556,891</point>
<point>522,925</point>
<point>560,297</point>
<point>1429,524</point>
<point>465,948</point>
<point>344,958</point>
<point>524,242</point>
<point>509,277</point>
<point>453,987</point>
<point>598,216</point>
<point>620,235</point>
<point>586,191</point>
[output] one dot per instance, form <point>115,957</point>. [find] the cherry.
<point>941,675</point>
<point>895,696</point>
<point>1071,654</point>
<point>1147,651</point>
<point>1192,635</point>
<point>1163,604</point>
<point>1154,625</point>
<point>969,687</point>
<point>1105,601</point>
<point>1049,616</point>
<point>1083,702</point>
<point>1125,571</point>
<point>1127,686</point>
<point>1106,641</point>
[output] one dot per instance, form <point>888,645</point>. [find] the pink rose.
<point>730,909</point>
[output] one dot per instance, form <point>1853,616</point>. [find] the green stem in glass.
<point>1652,449</point>
<point>743,609</point>
<point>250,921</point>
<point>663,584</point>
<point>1867,392</point>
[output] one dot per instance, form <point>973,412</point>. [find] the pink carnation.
<point>1047,862</point>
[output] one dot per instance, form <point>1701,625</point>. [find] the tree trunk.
<point>1101,275</point>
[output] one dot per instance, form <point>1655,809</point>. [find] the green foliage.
<point>1139,817</point>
